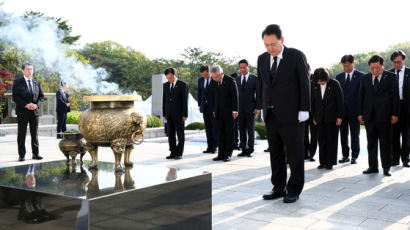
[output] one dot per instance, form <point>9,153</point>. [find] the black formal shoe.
<point>37,157</point>
<point>177,157</point>
<point>386,172</point>
<point>207,151</point>
<point>226,159</point>
<point>237,148</point>
<point>243,154</point>
<point>217,159</point>
<point>290,198</point>
<point>395,163</point>
<point>321,167</point>
<point>406,165</point>
<point>266,150</point>
<point>170,157</point>
<point>213,151</point>
<point>329,167</point>
<point>271,195</point>
<point>21,158</point>
<point>59,136</point>
<point>353,161</point>
<point>370,170</point>
<point>344,160</point>
<point>311,159</point>
<point>307,157</point>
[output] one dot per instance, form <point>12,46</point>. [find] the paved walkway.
<point>342,198</point>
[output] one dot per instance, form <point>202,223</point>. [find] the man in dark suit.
<point>28,96</point>
<point>310,144</point>
<point>236,145</point>
<point>350,82</point>
<point>225,111</point>
<point>248,88</point>
<point>63,107</point>
<point>401,128</point>
<point>378,108</point>
<point>285,92</point>
<point>327,112</point>
<point>175,112</point>
<point>206,105</point>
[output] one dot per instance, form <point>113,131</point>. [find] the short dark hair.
<point>243,61</point>
<point>321,74</point>
<point>396,54</point>
<point>25,64</point>
<point>169,70</point>
<point>272,29</point>
<point>347,58</point>
<point>376,58</point>
<point>204,68</point>
<point>234,75</point>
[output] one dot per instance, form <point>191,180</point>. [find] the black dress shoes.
<point>329,167</point>
<point>207,151</point>
<point>321,167</point>
<point>226,159</point>
<point>266,150</point>
<point>307,157</point>
<point>406,165</point>
<point>395,163</point>
<point>21,158</point>
<point>386,172</point>
<point>37,157</point>
<point>177,157</point>
<point>370,170</point>
<point>217,159</point>
<point>344,160</point>
<point>290,198</point>
<point>170,157</point>
<point>243,154</point>
<point>237,148</point>
<point>353,161</point>
<point>311,159</point>
<point>273,195</point>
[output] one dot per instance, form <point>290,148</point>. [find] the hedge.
<point>153,122</point>
<point>260,128</point>
<point>72,117</point>
<point>195,126</point>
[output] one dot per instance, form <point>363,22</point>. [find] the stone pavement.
<point>342,198</point>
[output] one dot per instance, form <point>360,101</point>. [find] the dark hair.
<point>234,75</point>
<point>169,70</point>
<point>204,68</point>
<point>243,61</point>
<point>396,54</point>
<point>376,58</point>
<point>321,74</point>
<point>25,64</point>
<point>63,83</point>
<point>308,66</point>
<point>272,29</point>
<point>347,58</point>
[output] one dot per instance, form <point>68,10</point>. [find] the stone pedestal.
<point>157,88</point>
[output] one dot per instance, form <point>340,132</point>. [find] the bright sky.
<point>324,30</point>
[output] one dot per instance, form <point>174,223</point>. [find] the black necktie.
<point>30,90</point>
<point>376,83</point>
<point>172,87</point>
<point>398,76</point>
<point>243,82</point>
<point>348,80</point>
<point>207,83</point>
<point>274,66</point>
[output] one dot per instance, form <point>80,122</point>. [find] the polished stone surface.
<point>142,197</point>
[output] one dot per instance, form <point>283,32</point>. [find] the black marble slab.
<point>53,195</point>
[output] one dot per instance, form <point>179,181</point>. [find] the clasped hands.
<point>31,106</point>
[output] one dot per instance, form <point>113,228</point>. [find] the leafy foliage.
<point>260,128</point>
<point>195,126</point>
<point>72,117</point>
<point>153,122</point>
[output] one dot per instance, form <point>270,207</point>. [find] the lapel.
<point>381,82</point>
<point>327,91</point>
<point>280,66</point>
<point>267,61</point>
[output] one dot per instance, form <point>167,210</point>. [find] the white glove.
<point>303,116</point>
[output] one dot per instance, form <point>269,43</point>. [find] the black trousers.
<point>211,128</point>
<point>310,145</point>
<point>401,129</point>
<point>353,123</point>
<point>61,122</point>
<point>22,121</point>
<point>226,134</point>
<point>328,135</point>
<point>379,132</point>
<point>247,130</point>
<point>289,137</point>
<point>236,133</point>
<point>176,127</point>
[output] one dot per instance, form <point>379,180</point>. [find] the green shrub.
<point>72,131</point>
<point>261,130</point>
<point>195,126</point>
<point>153,122</point>
<point>72,117</point>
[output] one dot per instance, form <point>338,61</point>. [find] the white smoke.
<point>40,39</point>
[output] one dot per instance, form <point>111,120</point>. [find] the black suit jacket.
<point>289,92</point>
<point>225,96</point>
<point>205,99</point>
<point>175,103</point>
<point>379,105</point>
<point>62,100</point>
<point>247,95</point>
<point>21,96</point>
<point>350,93</point>
<point>406,88</point>
<point>329,108</point>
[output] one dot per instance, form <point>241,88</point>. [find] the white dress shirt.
<point>351,75</point>
<point>323,89</point>
<point>31,82</point>
<point>175,82</point>
<point>280,57</point>
<point>206,81</point>
<point>244,77</point>
<point>401,80</point>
